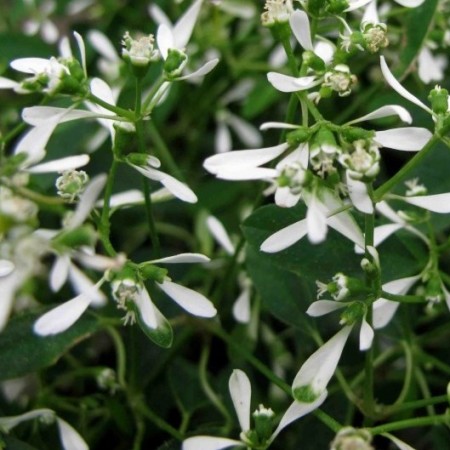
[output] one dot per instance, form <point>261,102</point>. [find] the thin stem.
<point>158,421</point>
<point>422,382</point>
<point>409,423</point>
<point>408,375</point>
<point>105,225</point>
<point>115,109</point>
<point>420,403</point>
<point>120,355</point>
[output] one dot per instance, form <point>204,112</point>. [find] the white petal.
<point>84,285</point>
<point>158,15</point>
<point>247,173</point>
<point>400,444</point>
<point>62,317</point>
<point>59,272</point>
<point>285,198</point>
<point>70,438</point>
<point>411,139</point>
<point>318,369</point>
<point>357,191</point>
<point>59,165</point>
<point>241,307</point>
<point>30,65</point>
<point>384,208</point>
<point>285,237</point>
<point>87,201</point>
<point>126,198</point>
<point>222,139</point>
<point>6,83</point>
<point>82,49</point>
<point>9,422</point>
<point>165,40</point>
<point>430,67</point>
<point>192,301</point>
<point>103,45</point>
<point>99,262</point>
<point>299,22</point>
<point>371,13</point>
<point>241,393</point>
<point>209,443</point>
<point>183,258</point>
<point>439,203</point>
<point>184,26</point>
<point>147,310</point>
<point>410,3</point>
<point>286,83</point>
<point>269,125</point>
<point>389,77</point>
<point>220,234</point>
<point>297,410</point>
<point>49,32</point>
<point>386,111</point>
<point>316,221</point>
<point>323,307</point>
<point>178,189</point>
<point>366,335</point>
<point>6,267</point>
<point>355,4</point>
<point>243,158</point>
<point>246,132</point>
<point>201,71</point>
<point>383,312</point>
<point>240,10</point>
<point>382,232</point>
<point>39,115</point>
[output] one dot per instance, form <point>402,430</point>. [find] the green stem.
<point>120,355</point>
<point>153,91</point>
<point>408,376</point>
<point>105,225</point>
<point>115,109</point>
<point>405,170</point>
<point>417,404</point>
<point>215,400</point>
<point>423,384</point>
<point>403,298</point>
<point>158,421</point>
<point>409,423</point>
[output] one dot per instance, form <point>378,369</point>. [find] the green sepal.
<point>351,134</point>
<point>174,63</point>
<point>296,137</point>
<point>312,60</point>
<point>337,6</point>
<point>354,312</point>
<point>438,98</point>
<point>137,159</point>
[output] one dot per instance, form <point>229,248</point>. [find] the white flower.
<point>324,209</point>
<point>240,392</point>
<point>172,41</point>
<point>39,21</point>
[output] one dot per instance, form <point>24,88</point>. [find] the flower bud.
<point>71,184</point>
<point>263,418</point>
<point>298,136</point>
<point>438,98</point>
<point>276,12</point>
<point>374,36</point>
<point>174,64</point>
<point>363,163</point>
<point>354,312</point>
<point>152,272</point>
<point>139,52</point>
<point>349,438</point>
<point>337,6</point>
<point>310,59</point>
<point>340,80</point>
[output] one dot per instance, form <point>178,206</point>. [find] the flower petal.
<point>59,165</point>
<point>220,234</point>
<point>323,307</point>
<point>400,444</point>
<point>6,267</point>
<point>201,71</point>
<point>241,393</point>
<point>103,45</point>
<point>366,335</point>
<point>285,237</point>
<point>282,125</point>
<point>165,40</point>
<point>62,317</point>
<point>438,203</point>
<point>82,49</point>
<point>355,4</point>
<point>192,301</point>
<point>357,191</point>
<point>59,272</point>
<point>411,139</point>
<point>209,443</point>
<point>386,111</point>
<point>241,307</point>
<point>299,22</point>
<point>286,83</point>
<point>184,26</point>
<point>316,221</point>
<point>6,83</point>
<point>410,3</point>
<point>30,65</point>
<point>70,439</point>
<point>243,158</point>
<point>391,80</point>
<point>297,410</point>
<point>82,284</point>
<point>183,258</point>
<point>383,312</point>
<point>246,132</point>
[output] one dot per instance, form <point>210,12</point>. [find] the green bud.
<point>174,63</point>
<point>353,313</point>
<point>438,98</point>
<point>433,289</point>
<point>152,272</point>
<point>137,159</point>
<point>263,418</point>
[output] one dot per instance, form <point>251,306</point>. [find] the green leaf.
<point>23,352</point>
<point>12,443</point>
<point>418,23</point>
